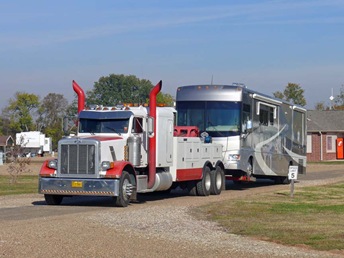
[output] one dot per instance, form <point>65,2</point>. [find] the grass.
<point>314,217</point>
<point>333,162</point>
<point>26,184</point>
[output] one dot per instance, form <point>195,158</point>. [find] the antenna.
<point>212,77</point>
<point>331,98</point>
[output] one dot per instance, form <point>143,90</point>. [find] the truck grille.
<point>78,159</point>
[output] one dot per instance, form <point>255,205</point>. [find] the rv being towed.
<point>261,136</point>
<point>120,152</point>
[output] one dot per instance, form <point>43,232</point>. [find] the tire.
<point>191,186</point>
<point>250,167</point>
<point>217,181</point>
<point>53,199</point>
<point>203,186</point>
<point>282,180</point>
<point>125,190</point>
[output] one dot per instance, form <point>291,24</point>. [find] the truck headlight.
<point>52,164</point>
<point>234,157</point>
<point>107,165</point>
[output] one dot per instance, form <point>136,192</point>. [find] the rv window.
<point>298,127</point>
<point>266,115</point>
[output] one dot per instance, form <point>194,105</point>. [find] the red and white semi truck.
<point>120,152</point>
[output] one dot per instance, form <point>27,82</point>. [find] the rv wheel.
<point>217,181</point>
<point>282,180</point>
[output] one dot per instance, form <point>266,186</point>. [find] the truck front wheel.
<point>53,199</point>
<point>125,190</point>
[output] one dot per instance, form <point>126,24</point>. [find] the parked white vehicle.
<point>34,143</point>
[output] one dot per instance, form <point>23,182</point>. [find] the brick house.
<point>323,129</point>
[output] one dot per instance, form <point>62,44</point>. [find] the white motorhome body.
<point>261,135</point>
<point>34,142</point>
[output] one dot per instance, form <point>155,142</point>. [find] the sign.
<point>293,171</point>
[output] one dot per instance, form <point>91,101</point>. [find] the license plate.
<point>77,184</point>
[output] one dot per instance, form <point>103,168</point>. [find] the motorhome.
<point>261,136</point>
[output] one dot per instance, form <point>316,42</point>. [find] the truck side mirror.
<point>150,126</point>
<point>249,126</point>
<point>65,125</point>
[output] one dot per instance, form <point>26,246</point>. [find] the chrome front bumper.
<point>74,186</point>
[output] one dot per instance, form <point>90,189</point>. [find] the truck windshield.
<point>103,125</point>
<point>217,118</point>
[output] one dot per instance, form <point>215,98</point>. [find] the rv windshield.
<point>217,118</point>
<point>103,125</point>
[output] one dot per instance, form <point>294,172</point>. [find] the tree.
<point>119,88</point>
<point>339,100</point>
<point>4,126</point>
<point>51,112</point>
<point>293,93</point>
<point>278,95</point>
<point>320,106</point>
<point>166,99</point>
<point>20,111</point>
<point>17,164</point>
<point>115,89</point>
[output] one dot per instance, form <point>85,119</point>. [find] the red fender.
<point>45,170</point>
<point>118,168</point>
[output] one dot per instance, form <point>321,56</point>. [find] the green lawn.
<point>25,184</point>
<point>314,217</point>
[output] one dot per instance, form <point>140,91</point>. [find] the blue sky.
<point>44,45</point>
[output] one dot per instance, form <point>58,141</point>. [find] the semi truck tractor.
<point>121,152</point>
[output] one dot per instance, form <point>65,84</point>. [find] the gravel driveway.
<point>158,226</point>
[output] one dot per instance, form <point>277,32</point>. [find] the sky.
<point>44,45</point>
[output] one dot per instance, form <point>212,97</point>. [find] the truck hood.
<point>101,138</point>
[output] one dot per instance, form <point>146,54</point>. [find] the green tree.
<point>118,88</point>
<point>20,112</point>
<point>51,112</point>
<point>4,126</point>
<point>320,106</point>
<point>339,100</point>
<point>278,95</point>
<point>293,93</point>
<point>115,89</point>
<point>166,99</point>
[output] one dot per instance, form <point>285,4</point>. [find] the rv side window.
<point>267,114</point>
<point>298,128</point>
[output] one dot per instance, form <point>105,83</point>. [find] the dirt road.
<point>157,226</point>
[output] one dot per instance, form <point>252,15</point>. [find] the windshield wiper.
<point>113,129</point>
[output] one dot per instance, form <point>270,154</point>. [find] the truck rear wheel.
<point>203,186</point>
<point>191,186</point>
<point>217,181</point>
<point>125,190</point>
<point>53,199</point>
